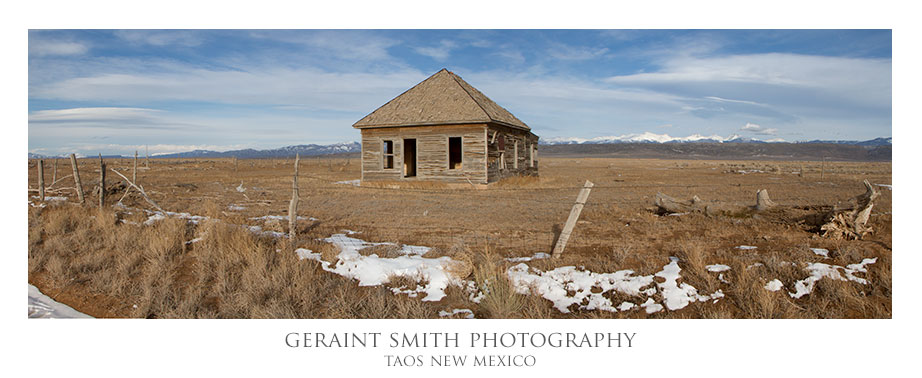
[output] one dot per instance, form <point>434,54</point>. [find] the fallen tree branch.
<point>140,190</point>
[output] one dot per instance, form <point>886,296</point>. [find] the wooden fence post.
<point>79,186</point>
<point>41,180</point>
<point>102,183</point>
<point>571,220</point>
<point>823,172</point>
<point>147,157</point>
<point>134,173</point>
<point>293,207</point>
<point>54,170</point>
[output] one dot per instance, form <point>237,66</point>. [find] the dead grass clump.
<point>500,299</point>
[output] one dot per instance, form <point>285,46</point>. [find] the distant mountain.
<point>249,153</point>
<point>867,143</point>
<point>649,137</point>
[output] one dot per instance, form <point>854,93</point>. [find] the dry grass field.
<point>122,262</point>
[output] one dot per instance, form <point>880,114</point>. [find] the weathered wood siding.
<point>432,153</point>
<point>516,146</point>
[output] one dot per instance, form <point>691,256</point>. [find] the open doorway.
<point>409,158</point>
<point>454,153</point>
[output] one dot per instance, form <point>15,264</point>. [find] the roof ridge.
<point>469,94</point>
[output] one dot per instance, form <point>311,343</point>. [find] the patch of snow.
<point>51,198</point>
<point>754,265</point>
<point>886,186</point>
<point>677,214</point>
<point>469,313</point>
<point>556,285</point>
<point>259,231</point>
<point>280,218</point>
<point>235,207</point>
<point>42,306</point>
<point>624,306</point>
<point>350,232</point>
<point>717,268</point>
<point>373,270</point>
<point>196,240</point>
<point>821,252</point>
<point>678,296</point>
<point>746,247</point>
<point>820,270</point>
<point>350,182</point>
<point>539,255</point>
<point>651,306</point>
<point>240,188</point>
<point>774,285</point>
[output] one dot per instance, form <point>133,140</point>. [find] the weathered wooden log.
<point>762,200</point>
<point>849,220</point>
<point>668,204</point>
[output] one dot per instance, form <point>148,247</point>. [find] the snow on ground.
<point>469,313</point>
<point>746,247</point>
<point>240,188</point>
<point>819,271</point>
<point>280,218</point>
<point>350,182</point>
<point>717,268</point>
<point>566,286</point>
<point>539,255</point>
<point>774,285</point>
<point>236,207</point>
<point>52,198</point>
<point>430,274</point>
<point>678,296</point>
<point>886,186</point>
<point>42,306</point>
<point>556,286</point>
<point>820,252</point>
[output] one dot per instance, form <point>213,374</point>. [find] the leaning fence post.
<point>41,180</point>
<point>102,182</point>
<point>77,184</point>
<point>571,220</point>
<point>293,206</point>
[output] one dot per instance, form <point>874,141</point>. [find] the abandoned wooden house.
<point>443,129</point>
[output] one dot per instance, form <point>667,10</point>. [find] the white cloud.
<point>567,52</point>
<point>356,92</point>
<point>162,37</point>
<point>756,129</point>
<point>51,48</point>
<point>440,52</point>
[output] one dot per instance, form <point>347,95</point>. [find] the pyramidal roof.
<point>443,98</point>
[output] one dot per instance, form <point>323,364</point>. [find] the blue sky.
<point>114,91</point>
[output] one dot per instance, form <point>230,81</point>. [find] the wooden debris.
<point>850,220</point>
<point>140,190</point>
<point>762,200</point>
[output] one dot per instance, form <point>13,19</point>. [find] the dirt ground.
<point>618,228</point>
